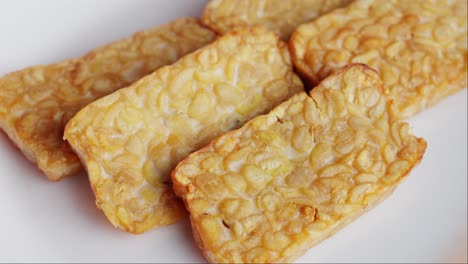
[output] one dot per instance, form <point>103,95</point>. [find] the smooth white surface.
<point>423,221</point>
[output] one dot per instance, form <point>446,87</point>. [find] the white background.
<point>423,221</point>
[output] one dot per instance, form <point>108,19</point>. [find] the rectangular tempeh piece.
<point>37,102</point>
<point>272,189</point>
<point>131,140</point>
<point>419,47</point>
<point>281,16</point>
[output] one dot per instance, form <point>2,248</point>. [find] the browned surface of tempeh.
<point>419,47</point>
<point>36,103</point>
<point>272,189</point>
<point>131,140</point>
<point>280,16</point>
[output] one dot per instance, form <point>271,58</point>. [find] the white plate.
<point>423,221</point>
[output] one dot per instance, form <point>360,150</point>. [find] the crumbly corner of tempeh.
<point>419,47</point>
<point>278,15</point>
<point>284,182</point>
<point>37,102</point>
<point>131,140</point>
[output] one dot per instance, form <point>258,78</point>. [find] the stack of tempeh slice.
<point>284,181</point>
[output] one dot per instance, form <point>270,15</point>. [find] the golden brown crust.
<point>286,181</point>
<point>280,16</point>
<point>37,102</point>
<point>419,47</point>
<point>131,140</point>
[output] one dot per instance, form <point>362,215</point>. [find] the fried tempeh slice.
<point>131,140</point>
<point>272,189</point>
<point>278,15</point>
<point>37,102</point>
<point>419,47</point>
